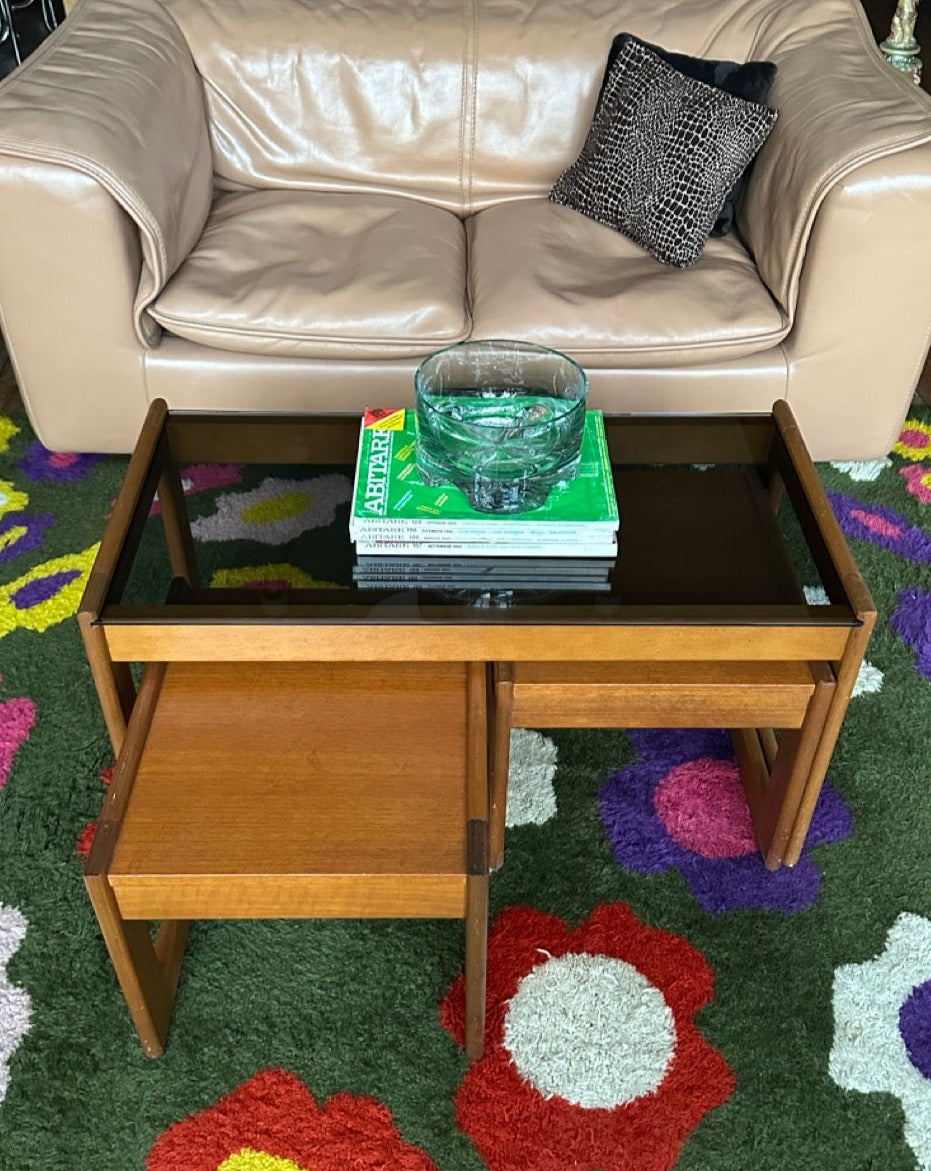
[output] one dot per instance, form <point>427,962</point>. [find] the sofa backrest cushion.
<point>333,95</point>
<point>459,102</point>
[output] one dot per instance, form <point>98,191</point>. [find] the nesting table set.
<point>343,752</point>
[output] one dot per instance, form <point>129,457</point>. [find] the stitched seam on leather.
<point>771,337</point>
<point>170,319</point>
<point>473,103</point>
<point>463,104</point>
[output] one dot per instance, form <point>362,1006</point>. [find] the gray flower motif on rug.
<point>862,471</point>
<point>882,1027</point>
<point>276,512</point>
<point>15,1004</point>
<point>531,796</point>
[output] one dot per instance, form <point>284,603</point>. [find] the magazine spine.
<point>465,549</point>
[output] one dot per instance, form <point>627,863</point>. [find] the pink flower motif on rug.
<point>273,1123</point>
<point>881,526</point>
<point>918,480</point>
<point>681,805</point>
<point>202,478</point>
<point>592,1057</point>
<point>17,719</point>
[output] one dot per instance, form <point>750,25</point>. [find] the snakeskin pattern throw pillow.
<point>750,80</point>
<point>662,152</point>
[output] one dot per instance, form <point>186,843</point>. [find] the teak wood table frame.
<point>255,772</point>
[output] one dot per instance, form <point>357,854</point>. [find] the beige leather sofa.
<point>242,204</point>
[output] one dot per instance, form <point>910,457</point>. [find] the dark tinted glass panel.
<point>714,527</point>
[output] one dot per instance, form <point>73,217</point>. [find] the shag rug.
<point>656,998</point>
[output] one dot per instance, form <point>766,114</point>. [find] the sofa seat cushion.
<point>544,273</point>
<point>313,274</point>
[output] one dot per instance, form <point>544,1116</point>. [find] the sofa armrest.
<point>840,108</point>
<point>114,95</point>
<point>863,322</point>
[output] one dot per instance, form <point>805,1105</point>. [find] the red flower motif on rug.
<point>273,1123</point>
<point>592,1058</point>
<point>86,839</point>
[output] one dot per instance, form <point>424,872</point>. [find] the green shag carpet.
<point>656,998</point>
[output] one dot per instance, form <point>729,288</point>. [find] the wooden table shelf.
<point>273,790</point>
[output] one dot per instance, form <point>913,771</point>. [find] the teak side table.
<point>326,752</point>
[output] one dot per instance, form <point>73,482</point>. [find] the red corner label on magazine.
<point>383,419</point>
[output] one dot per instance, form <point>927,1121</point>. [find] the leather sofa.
<point>253,204</point>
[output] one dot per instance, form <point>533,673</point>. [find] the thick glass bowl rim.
<point>560,412</point>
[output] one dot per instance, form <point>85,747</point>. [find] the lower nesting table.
<point>291,790</point>
<point>342,751</point>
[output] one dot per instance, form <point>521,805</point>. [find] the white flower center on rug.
<point>702,805</point>
<point>590,1029</point>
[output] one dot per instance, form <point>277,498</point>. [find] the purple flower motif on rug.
<point>881,526</point>
<point>20,533</point>
<point>915,1027</point>
<point>680,805</point>
<point>912,622</point>
<point>63,466</point>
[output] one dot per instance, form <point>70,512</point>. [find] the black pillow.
<point>751,81</point>
<point>662,152</point>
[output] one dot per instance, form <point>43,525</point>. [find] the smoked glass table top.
<point>719,525</point>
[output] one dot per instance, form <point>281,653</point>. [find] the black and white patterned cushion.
<point>662,153</point>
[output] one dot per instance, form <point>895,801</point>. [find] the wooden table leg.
<point>479,683</point>
<point>475,963</point>
<point>500,761</point>
<point>148,973</point>
<point>114,682</point>
<point>181,550</point>
<point>775,775</point>
<point>847,670</point>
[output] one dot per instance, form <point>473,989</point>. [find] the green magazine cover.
<point>391,502</point>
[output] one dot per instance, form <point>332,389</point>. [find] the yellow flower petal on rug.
<point>47,594</point>
<point>7,430</point>
<point>11,500</point>
<point>914,440</point>
<point>249,1160</point>
<point>272,576</point>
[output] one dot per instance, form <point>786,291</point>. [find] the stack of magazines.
<point>435,531</point>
